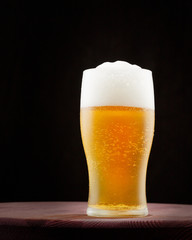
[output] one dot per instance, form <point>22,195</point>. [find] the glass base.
<point>96,212</point>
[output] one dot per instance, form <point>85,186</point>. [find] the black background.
<point>44,49</point>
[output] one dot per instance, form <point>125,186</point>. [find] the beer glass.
<point>117,127</point>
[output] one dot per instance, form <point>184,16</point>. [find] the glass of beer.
<point>117,127</point>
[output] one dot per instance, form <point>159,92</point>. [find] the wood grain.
<point>50,220</point>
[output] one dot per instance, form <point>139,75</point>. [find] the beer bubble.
<point>117,84</point>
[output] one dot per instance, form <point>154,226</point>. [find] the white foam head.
<point>117,84</point>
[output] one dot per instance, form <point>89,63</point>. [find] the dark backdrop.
<point>45,48</point>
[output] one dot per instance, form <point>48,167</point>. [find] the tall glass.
<point>117,126</point>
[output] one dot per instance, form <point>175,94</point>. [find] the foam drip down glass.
<point>117,127</point>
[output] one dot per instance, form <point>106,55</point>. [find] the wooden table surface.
<point>54,220</point>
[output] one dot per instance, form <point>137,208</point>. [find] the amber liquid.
<point>117,142</point>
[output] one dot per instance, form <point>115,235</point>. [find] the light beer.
<point>117,141</point>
